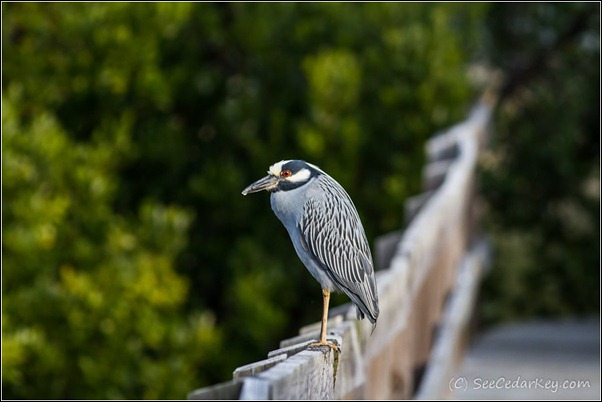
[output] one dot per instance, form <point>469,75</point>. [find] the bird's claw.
<point>324,343</point>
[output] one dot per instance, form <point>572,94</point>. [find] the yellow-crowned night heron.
<point>326,232</point>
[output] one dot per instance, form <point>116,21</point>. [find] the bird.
<point>327,234</point>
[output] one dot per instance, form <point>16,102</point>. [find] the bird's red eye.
<point>286,173</point>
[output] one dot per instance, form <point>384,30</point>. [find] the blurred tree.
<point>541,180</point>
<point>91,306</point>
<point>184,104</point>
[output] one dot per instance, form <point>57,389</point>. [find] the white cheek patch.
<point>301,175</point>
<point>276,168</point>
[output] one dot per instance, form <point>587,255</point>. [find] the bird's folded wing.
<point>331,232</point>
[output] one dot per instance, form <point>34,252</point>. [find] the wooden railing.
<point>426,296</point>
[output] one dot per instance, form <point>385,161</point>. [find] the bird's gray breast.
<point>289,207</point>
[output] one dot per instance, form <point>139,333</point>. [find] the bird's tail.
<point>371,315</point>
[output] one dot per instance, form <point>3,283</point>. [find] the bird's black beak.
<point>267,183</point>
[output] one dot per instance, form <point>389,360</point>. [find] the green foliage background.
<point>541,179</point>
<point>132,266</point>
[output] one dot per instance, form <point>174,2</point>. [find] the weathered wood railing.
<point>426,295</point>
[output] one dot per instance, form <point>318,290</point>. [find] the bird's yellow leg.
<point>323,342</point>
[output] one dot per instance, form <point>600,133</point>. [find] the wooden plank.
<point>350,367</point>
<point>413,205</point>
<point>255,389</point>
<point>433,174</point>
<point>454,327</point>
<point>258,367</point>
<point>441,147</point>
<point>305,370</point>
<point>384,248</point>
<point>292,349</point>
<point>439,226</point>
<point>224,391</point>
<point>306,375</point>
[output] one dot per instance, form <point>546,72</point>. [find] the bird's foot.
<point>324,343</point>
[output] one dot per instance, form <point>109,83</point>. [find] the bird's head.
<point>284,176</point>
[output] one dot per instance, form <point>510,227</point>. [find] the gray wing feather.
<point>332,232</point>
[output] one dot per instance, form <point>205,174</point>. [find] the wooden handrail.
<point>421,276</point>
